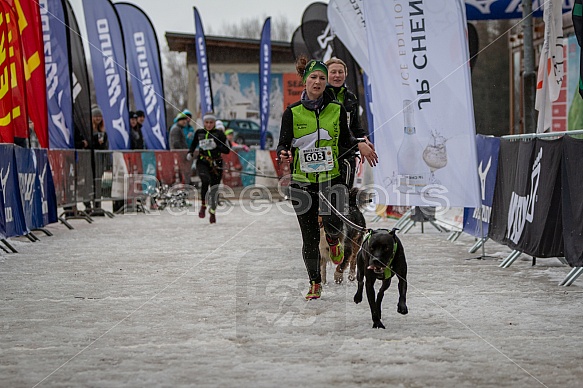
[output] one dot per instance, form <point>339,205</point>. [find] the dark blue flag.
<point>30,187</point>
<point>264,78</point>
<point>59,100</point>
<point>43,170</point>
<point>143,56</point>
<point>204,78</point>
<point>505,9</point>
<point>368,104</point>
<point>15,224</point>
<point>477,223</point>
<point>109,73</point>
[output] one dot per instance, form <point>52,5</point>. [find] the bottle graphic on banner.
<point>411,168</point>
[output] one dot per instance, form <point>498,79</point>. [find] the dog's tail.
<point>394,231</point>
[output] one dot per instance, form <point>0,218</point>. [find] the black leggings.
<point>210,177</point>
<point>306,203</point>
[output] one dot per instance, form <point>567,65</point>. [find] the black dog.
<point>380,257</point>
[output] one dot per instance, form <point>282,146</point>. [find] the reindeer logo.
<point>4,179</point>
<point>483,174</point>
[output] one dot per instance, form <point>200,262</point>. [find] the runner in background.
<point>212,143</point>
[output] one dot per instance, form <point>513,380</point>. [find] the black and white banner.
<point>572,182</point>
<point>527,199</point>
<point>507,166</point>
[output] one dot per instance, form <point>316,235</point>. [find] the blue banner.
<point>30,187</point>
<point>204,78</point>
<point>488,150</point>
<point>506,9</point>
<point>14,221</point>
<point>57,72</point>
<point>2,215</point>
<point>143,56</point>
<point>368,104</point>
<point>109,73</point>
<point>264,78</point>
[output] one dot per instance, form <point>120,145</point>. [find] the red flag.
<point>29,26</point>
<point>6,129</point>
<point>17,80</point>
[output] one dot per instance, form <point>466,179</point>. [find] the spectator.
<point>188,129</point>
<point>177,140</point>
<point>136,137</point>
<point>231,138</point>
<point>99,141</point>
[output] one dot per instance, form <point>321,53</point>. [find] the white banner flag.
<point>424,116</point>
<point>550,66</point>
<point>347,20</point>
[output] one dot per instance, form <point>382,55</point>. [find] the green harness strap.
<point>388,271</point>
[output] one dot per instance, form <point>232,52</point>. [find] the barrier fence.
<point>531,188</point>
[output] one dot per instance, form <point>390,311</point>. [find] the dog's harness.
<point>388,271</point>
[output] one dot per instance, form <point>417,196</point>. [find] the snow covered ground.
<point>169,300</point>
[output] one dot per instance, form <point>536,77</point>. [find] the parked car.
<point>248,132</point>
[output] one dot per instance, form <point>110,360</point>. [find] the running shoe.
<point>315,291</point>
<point>212,217</point>
<point>202,211</point>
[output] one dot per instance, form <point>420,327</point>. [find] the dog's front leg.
<point>374,310</point>
<point>402,305</point>
<point>384,286</point>
<point>359,277</point>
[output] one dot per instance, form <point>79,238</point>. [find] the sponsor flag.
<point>19,118</point>
<point>577,16</point>
<point>527,207</point>
<point>506,9</point>
<point>58,75</point>
<point>551,65</point>
<point>265,78</point>
<point>6,128</point>
<point>477,223</point>
<point>535,223</point>
<point>47,192</point>
<point>109,73</point>
<point>425,134</point>
<point>514,160</point>
<point>572,193</point>
<point>14,221</point>
<point>369,105</point>
<point>29,23</point>
<point>30,187</point>
<point>204,73</point>
<point>143,56</point>
<point>79,77</point>
<point>348,23</point>
<point>2,215</point>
